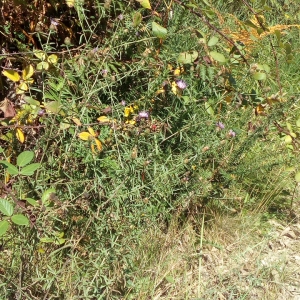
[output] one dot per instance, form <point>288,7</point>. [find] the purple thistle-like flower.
<point>220,125</point>
<point>123,103</point>
<point>120,17</point>
<point>181,84</point>
<point>231,133</point>
<point>143,114</point>
<point>104,72</point>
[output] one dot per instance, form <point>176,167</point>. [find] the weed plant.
<point>137,127</point>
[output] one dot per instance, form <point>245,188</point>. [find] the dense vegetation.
<point>118,117</point>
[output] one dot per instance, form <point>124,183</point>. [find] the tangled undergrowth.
<point>120,116</point>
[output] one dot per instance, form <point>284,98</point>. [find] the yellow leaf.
<point>145,3</point>
<point>103,119</point>
<point>93,148</point>
<point>27,72</point>
<point>178,71</point>
<point>161,91</point>
<point>91,131</point>
<point>42,66</point>
<point>98,144</point>
<point>130,122</point>
<point>22,88</point>
<point>260,110</point>
<point>40,54</point>
<point>53,59</point>
<point>85,136</point>
<point>12,75</point>
<point>70,3</point>
<point>20,135</point>
<point>77,121</point>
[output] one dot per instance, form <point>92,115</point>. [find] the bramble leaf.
<point>145,3</point>
<point>91,131</point>
<point>217,56</point>
<point>6,207</point>
<point>20,135</point>
<point>212,41</point>
<point>85,136</point>
<point>4,225</point>
<point>187,57</point>
<point>46,196</point>
<point>103,119</point>
<point>30,169</point>
<point>25,158</point>
<point>12,75</point>
<point>27,72</point>
<point>11,169</point>
<point>52,59</point>
<point>159,31</point>
<point>259,76</point>
<point>20,219</point>
<point>22,88</point>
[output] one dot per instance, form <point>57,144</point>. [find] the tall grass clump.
<point>138,114</point>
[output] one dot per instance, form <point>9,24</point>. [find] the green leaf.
<point>288,139</point>
<point>259,76</point>
<point>217,56</point>
<point>6,207</point>
<point>25,158</point>
<point>53,106</point>
<point>159,31</point>
<point>31,101</point>
<point>289,126</point>
<point>187,57</point>
<point>42,66</point>
<point>46,240</point>
<point>209,108</point>
<point>59,241</point>
<point>297,177</point>
<point>46,195</point>
<point>145,3</point>
<point>31,201</point>
<point>212,41</point>
<point>137,19</point>
<point>20,219</point>
<point>250,24</point>
<point>288,48</point>
<point>298,122</point>
<point>170,279</point>
<point>30,169</point>
<point>4,225</point>
<point>40,54</point>
<point>11,169</point>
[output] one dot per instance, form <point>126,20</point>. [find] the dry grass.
<point>241,258</point>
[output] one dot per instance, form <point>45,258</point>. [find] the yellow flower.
<point>91,136</point>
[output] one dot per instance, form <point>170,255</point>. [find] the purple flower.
<point>41,112</point>
<point>231,133</point>
<point>104,72</point>
<point>220,125</point>
<point>143,114</point>
<point>181,84</point>
<point>123,103</point>
<point>53,22</point>
<point>95,50</point>
<point>120,17</point>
